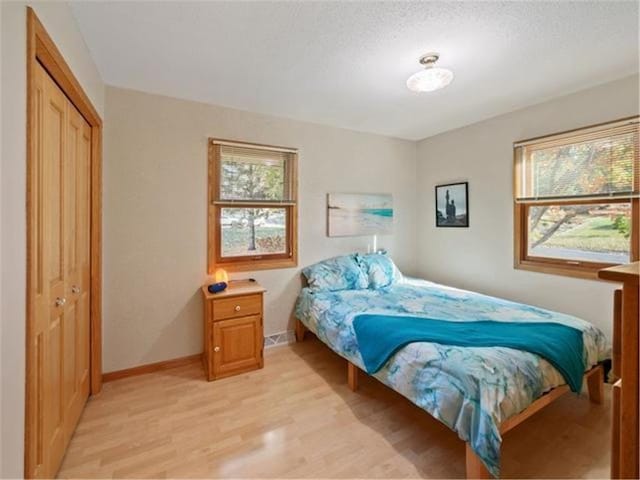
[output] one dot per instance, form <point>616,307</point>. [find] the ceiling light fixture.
<point>432,77</point>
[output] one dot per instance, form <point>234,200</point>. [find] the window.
<point>576,200</point>
<point>252,206</point>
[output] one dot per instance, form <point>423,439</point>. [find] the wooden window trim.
<point>42,50</point>
<point>257,262</point>
<point>557,266</point>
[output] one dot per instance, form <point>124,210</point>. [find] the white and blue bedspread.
<point>471,390</point>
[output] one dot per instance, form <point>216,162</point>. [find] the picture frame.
<point>359,214</point>
<point>452,205</point>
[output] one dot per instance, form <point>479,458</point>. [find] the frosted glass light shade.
<point>221,275</point>
<point>430,79</point>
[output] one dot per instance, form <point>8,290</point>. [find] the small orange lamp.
<point>221,275</point>
<point>221,279</point>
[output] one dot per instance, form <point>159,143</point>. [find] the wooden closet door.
<point>76,244</point>
<point>58,259</point>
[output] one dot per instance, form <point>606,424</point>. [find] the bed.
<point>479,393</point>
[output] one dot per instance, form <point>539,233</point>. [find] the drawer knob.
<point>60,301</point>
<point>216,349</point>
<point>237,309</point>
<point>75,289</point>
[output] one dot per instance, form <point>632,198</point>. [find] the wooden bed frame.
<point>594,379</point>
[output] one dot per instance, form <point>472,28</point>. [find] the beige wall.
<point>58,20</point>
<point>481,257</point>
<point>155,180</point>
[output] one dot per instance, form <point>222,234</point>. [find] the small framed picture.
<point>452,205</point>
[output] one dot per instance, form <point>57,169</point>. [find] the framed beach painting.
<point>352,214</point>
<point>452,205</point>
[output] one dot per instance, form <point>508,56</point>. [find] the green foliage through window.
<point>591,232</point>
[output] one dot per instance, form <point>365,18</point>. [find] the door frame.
<point>41,49</point>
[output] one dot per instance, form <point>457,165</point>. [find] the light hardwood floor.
<point>297,418</point>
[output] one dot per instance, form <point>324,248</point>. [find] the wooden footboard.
<point>594,379</point>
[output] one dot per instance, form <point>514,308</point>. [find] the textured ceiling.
<point>346,64</point>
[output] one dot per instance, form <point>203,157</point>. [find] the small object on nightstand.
<point>233,329</point>
<point>217,287</point>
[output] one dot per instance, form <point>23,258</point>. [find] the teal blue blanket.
<point>381,336</point>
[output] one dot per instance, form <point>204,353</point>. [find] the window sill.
<point>588,272</point>
<point>251,265</point>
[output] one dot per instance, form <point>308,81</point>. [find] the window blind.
<point>253,155</point>
<point>256,176</point>
<point>596,163</point>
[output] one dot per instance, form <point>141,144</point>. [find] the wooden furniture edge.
<point>616,345</point>
<point>233,291</point>
<point>151,367</point>
<point>621,273</point>
<point>615,427</point>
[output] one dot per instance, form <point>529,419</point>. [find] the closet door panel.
<point>70,321</point>
<point>38,299</point>
<point>54,152</point>
<point>83,242</point>
<point>76,242</point>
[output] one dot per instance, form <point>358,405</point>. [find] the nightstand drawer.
<point>234,307</point>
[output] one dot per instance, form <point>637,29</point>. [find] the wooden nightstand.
<point>233,332</point>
